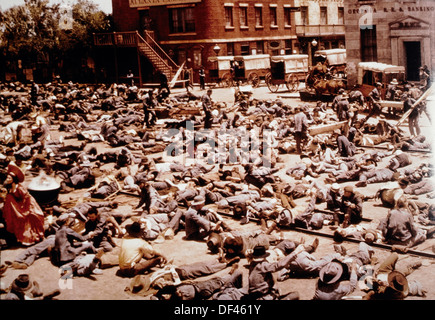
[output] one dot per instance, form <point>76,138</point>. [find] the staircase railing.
<point>157,50</point>
<point>148,46</point>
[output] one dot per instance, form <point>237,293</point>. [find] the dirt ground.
<point>110,286</point>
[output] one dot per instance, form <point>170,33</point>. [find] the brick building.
<point>398,32</point>
<point>192,30</point>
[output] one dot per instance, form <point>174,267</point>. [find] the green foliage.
<point>32,32</point>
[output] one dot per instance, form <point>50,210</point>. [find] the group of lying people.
<point>235,168</point>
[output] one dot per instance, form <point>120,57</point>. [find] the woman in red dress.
<point>22,214</point>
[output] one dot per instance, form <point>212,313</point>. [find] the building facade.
<point>190,31</point>
<point>398,32</point>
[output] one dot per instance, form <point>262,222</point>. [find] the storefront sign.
<point>409,23</point>
<point>150,3</point>
<point>369,9</point>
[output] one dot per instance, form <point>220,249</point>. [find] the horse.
<point>331,86</point>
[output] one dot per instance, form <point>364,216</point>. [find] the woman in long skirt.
<point>22,214</point>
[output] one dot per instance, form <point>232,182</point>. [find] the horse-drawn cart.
<point>220,70</point>
<point>370,73</point>
<point>251,68</point>
<point>326,77</point>
<point>335,60</point>
<point>288,70</point>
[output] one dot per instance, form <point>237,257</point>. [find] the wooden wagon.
<point>288,70</point>
<point>335,59</point>
<point>251,68</point>
<point>369,73</point>
<point>220,71</point>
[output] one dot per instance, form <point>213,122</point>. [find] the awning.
<point>381,67</point>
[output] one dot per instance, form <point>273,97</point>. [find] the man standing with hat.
<point>343,108</point>
<point>149,103</point>
<point>300,128</point>
<point>390,94</point>
<point>375,98</point>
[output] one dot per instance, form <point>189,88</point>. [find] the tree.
<point>32,34</point>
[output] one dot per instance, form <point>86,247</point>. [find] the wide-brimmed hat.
<point>24,284</point>
<point>369,236</point>
<point>394,81</point>
<point>134,229</point>
<point>397,281</point>
<point>16,171</point>
<point>259,253</point>
<point>198,200</point>
<point>141,285</point>
<point>214,241</point>
<point>331,272</point>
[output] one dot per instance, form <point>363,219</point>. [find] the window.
<point>273,17</point>
<point>323,15</point>
<point>244,49</point>
<point>304,15</point>
<point>258,16</point>
<point>229,22</point>
<point>260,47</point>
<point>181,20</point>
<point>243,16</point>
<point>230,49</point>
<point>287,17</point>
<point>368,44</point>
<point>288,47</point>
<point>340,15</point>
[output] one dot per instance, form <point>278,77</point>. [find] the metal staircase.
<point>149,48</point>
<point>146,47</point>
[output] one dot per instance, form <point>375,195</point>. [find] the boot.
<point>430,232</point>
<point>340,249</point>
<point>274,226</point>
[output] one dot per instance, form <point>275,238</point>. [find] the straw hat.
<point>259,253</point>
<point>16,171</point>
<point>397,281</point>
<point>331,272</point>
<point>198,200</point>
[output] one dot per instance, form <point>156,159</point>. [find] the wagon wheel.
<point>292,82</point>
<point>254,79</point>
<point>270,84</point>
<point>227,80</point>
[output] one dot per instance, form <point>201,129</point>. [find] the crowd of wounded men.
<point>203,169</point>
